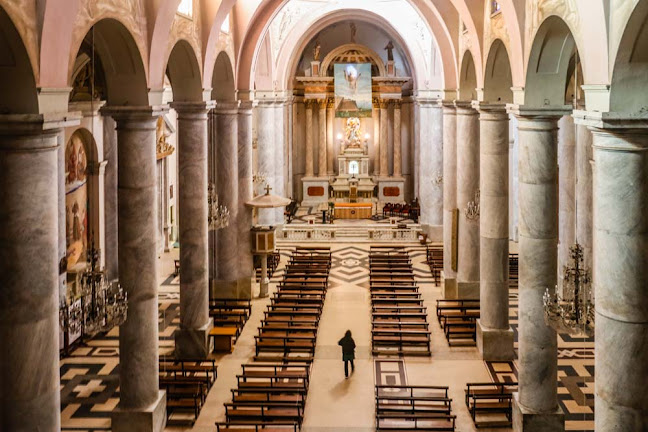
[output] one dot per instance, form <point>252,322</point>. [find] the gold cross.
<point>268,189</point>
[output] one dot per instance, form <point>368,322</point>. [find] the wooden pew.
<point>490,404</point>
<point>404,408</point>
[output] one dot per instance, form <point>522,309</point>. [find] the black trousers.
<point>346,367</point>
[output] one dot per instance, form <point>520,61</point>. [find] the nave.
<point>89,376</point>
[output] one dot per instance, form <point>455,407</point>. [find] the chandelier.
<point>103,305</point>
<point>573,311</point>
<point>218,216</point>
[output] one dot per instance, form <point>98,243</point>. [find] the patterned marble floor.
<point>89,377</point>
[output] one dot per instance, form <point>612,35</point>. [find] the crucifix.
<point>267,189</point>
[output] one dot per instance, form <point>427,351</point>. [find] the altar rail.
<point>368,233</point>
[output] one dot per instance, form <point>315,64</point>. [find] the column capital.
<point>397,103</point>
<point>491,111</point>
<point>531,112</point>
<point>193,107</point>
<point>36,124</point>
<point>330,103</point>
<point>245,106</point>
<point>384,103</point>
<point>464,108</point>
<point>226,107</point>
<point>134,113</point>
<point>611,120</point>
<point>322,103</point>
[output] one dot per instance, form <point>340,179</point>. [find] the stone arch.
<point>498,78</point>
<point>17,80</point>
<point>122,63</point>
<point>183,70</point>
<point>548,68</point>
<point>629,77</point>
<point>468,78</point>
<point>223,85</point>
<point>210,47</point>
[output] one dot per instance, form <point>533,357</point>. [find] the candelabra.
<point>103,305</point>
<point>218,215</point>
<point>472,209</point>
<point>573,311</point>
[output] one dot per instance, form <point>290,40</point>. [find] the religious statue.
<point>316,51</point>
<point>352,130</point>
<point>390,51</point>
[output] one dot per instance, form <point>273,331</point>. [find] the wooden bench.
<point>256,427</point>
<point>488,400</point>
<point>222,337</point>
<point>403,408</point>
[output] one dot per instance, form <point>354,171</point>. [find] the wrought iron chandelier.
<point>103,305</point>
<point>573,311</point>
<point>218,215</point>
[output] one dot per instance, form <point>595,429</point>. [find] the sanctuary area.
<point>323,215</point>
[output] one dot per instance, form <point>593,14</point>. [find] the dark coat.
<point>348,347</point>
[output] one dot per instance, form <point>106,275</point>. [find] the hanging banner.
<point>352,90</point>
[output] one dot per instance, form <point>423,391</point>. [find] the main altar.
<point>353,182</point>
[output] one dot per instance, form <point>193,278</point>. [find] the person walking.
<point>348,352</point>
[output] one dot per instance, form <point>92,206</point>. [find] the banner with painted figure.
<point>352,90</point>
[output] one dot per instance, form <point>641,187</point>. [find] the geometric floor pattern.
<point>90,375</point>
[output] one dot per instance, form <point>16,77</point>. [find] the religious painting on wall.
<point>352,90</point>
<point>76,202</point>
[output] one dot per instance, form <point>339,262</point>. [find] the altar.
<point>353,182</point>
<point>353,210</point>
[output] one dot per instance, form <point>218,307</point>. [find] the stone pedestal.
<point>467,187</point>
<point>494,336</point>
<point>525,420</point>
<point>140,399</point>
<point>315,191</point>
<point>145,419</point>
<point>29,276</point>
<point>391,190</point>
<point>537,350</point>
<point>191,338</point>
<point>449,183</point>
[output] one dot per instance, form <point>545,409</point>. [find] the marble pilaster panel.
<point>584,192</point>
<point>566,192</point>
<point>449,180</point>
<point>330,139</point>
<point>265,115</point>
<point>309,139</point>
<point>110,198</point>
<point>536,405</point>
<point>431,167</point>
<point>494,336</point>
<point>398,159</point>
<point>467,187</point>
<point>375,119</point>
<point>227,160</point>
<point>384,137</point>
<point>29,276</point>
<point>513,178</point>
<point>245,193</point>
<point>280,151</point>
<point>322,147</point>
<point>192,337</point>
<point>141,401</point>
<point>621,277</point>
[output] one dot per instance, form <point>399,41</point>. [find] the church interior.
<point>212,211</point>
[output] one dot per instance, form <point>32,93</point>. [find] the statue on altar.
<point>352,130</point>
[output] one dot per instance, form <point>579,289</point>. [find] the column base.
<point>527,421</point>
<point>148,419</point>
<point>193,343</point>
<point>462,291</point>
<point>449,288</point>
<point>495,344</point>
<point>239,289</point>
<point>434,232</point>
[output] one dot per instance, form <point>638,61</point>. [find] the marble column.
<point>566,192</point>
<point>110,199</point>
<point>398,159</point>
<point>467,188</point>
<point>62,238</point>
<point>375,119</point>
<point>384,136</point>
<point>621,276</point>
<point>513,178</point>
<point>330,143</point>
<point>309,139</point>
<point>142,404</point>
<point>245,194</point>
<point>265,153</point>
<point>494,335</point>
<point>191,339</point>
<point>227,161</point>
<point>535,407</point>
<point>280,151</point>
<point>584,192</point>
<point>449,183</point>
<point>431,167</point>
<point>321,149</point>
<point>29,276</point>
